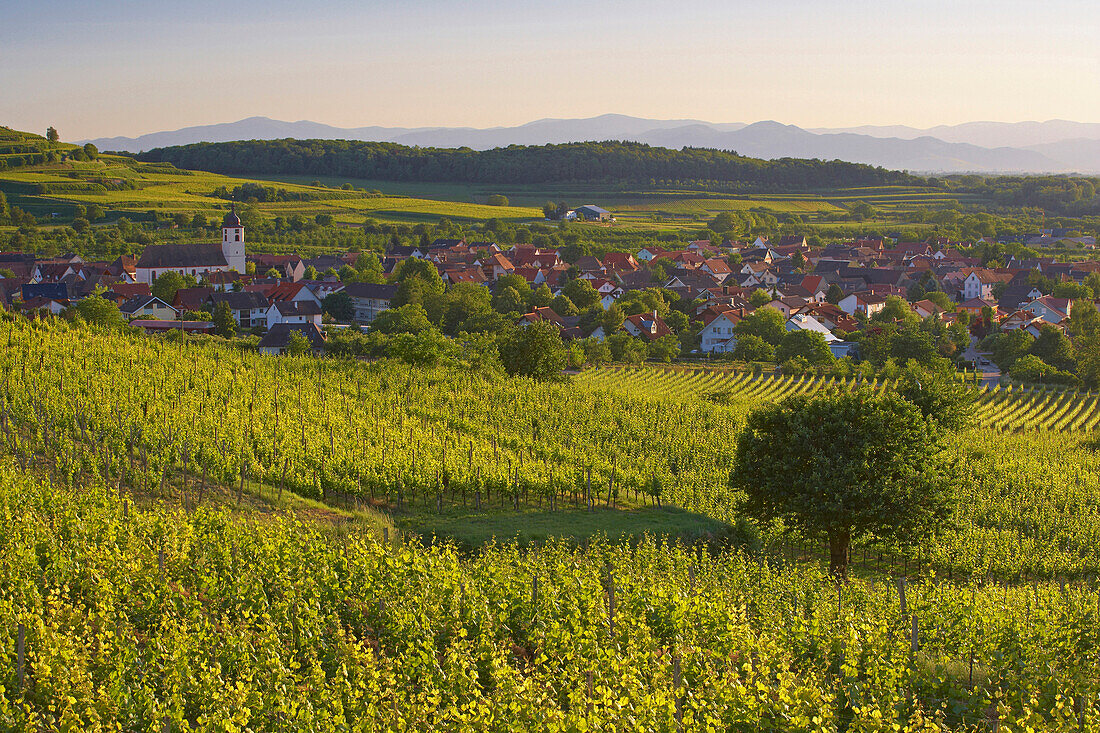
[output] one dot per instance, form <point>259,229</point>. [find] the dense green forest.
<point>588,162</point>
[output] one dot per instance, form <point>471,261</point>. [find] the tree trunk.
<point>838,553</point>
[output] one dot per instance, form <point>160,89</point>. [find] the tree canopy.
<point>565,163</point>
<point>844,464</point>
<point>533,351</point>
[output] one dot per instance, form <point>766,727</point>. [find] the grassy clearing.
<point>475,529</point>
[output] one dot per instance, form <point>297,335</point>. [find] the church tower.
<point>233,240</point>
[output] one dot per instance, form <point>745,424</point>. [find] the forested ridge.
<point>589,162</point>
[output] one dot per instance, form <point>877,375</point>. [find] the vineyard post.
<point>202,486</point>
<point>901,594</point>
<point>534,590</point>
<point>125,510</point>
<point>590,691</point>
<point>588,491</point>
<point>677,681</point>
<point>386,535</point>
<point>183,484</point>
<point>20,648</point>
<point>160,560</point>
<point>610,603</point>
<point>914,645</point>
<point>282,481</point>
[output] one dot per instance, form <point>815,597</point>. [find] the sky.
<point>112,67</point>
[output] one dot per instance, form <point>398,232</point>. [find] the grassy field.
<point>667,208</point>
<point>127,188</point>
<point>475,529</point>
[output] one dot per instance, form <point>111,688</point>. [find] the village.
<point>832,290</point>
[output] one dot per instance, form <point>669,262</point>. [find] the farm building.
<point>590,212</point>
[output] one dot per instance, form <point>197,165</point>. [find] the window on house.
<point>238,238</point>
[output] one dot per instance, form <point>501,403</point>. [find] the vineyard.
<point>150,413</point>
<point>190,611</point>
<point>1001,409</point>
<point>214,620</point>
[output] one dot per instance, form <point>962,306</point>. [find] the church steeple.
<point>232,221</point>
<point>233,240</point>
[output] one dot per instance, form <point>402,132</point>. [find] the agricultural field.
<point>140,592</point>
<point>442,447</point>
<point>671,208</point>
<point>124,187</point>
<point>1003,409</point>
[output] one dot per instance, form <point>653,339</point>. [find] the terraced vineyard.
<point>1002,409</point>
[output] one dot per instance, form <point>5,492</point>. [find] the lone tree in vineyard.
<point>846,465</point>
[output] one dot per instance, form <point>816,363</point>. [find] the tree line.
<point>566,163</point>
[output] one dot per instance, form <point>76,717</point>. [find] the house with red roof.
<point>623,261</point>
<point>975,306</point>
<point>292,292</point>
<point>648,326</point>
<point>496,265</point>
<point>1050,309</point>
<point>926,308</point>
<point>864,302</point>
<point>718,267</point>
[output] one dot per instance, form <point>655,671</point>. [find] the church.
<point>196,259</point>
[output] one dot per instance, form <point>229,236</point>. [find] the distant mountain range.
<point>1055,146</point>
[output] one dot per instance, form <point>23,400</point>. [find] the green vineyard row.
<point>1000,408</point>
<point>113,618</point>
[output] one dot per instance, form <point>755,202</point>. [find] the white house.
<point>294,311</point>
<point>368,300</point>
<point>249,308</point>
<point>979,284</point>
<point>648,254</point>
<point>717,337</point>
<point>866,303</point>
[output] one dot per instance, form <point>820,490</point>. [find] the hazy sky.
<point>93,68</point>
